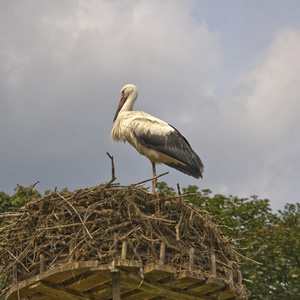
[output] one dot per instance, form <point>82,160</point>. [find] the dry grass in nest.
<point>97,219</point>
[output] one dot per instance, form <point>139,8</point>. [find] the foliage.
<point>5,202</point>
<point>21,196</point>
<point>163,187</point>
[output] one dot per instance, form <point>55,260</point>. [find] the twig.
<point>158,219</point>
<point>8,215</point>
<point>73,250</point>
<point>187,195</point>
<point>245,257</point>
<point>150,179</point>
<point>17,260</point>
<point>87,231</point>
<point>245,248</point>
<point>32,187</point>
<point>113,177</point>
<point>3,292</point>
<point>223,264</point>
<point>178,189</point>
<point>230,228</point>
<point>58,226</point>
<point>177,228</point>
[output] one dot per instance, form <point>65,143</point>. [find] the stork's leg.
<point>154,179</point>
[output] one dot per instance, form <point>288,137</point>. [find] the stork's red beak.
<point>122,101</point>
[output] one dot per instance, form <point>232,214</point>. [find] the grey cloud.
<point>62,65</point>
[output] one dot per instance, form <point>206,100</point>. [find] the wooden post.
<point>42,263</point>
<point>124,250</point>
<point>116,236</point>
<point>162,252</point>
<point>15,274</point>
<point>213,265</point>
<point>191,259</point>
<point>116,290</point>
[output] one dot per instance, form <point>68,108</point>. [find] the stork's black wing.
<point>176,146</point>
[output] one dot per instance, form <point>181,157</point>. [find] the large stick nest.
<point>96,220</point>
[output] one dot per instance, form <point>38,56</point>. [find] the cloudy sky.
<point>225,73</point>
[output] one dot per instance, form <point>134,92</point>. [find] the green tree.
<point>5,202</point>
<point>268,242</point>
<point>21,196</point>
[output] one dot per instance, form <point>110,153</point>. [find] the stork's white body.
<point>130,124</point>
<point>152,137</point>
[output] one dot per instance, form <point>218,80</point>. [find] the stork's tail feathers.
<point>195,171</point>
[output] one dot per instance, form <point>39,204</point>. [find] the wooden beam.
<point>213,265</point>
<point>96,281</point>
<point>208,286</point>
<point>86,283</point>
<point>191,259</point>
<point>157,289</point>
<point>105,292</point>
<point>157,272</point>
<point>184,279</point>
<point>162,252</point>
<point>116,290</point>
<point>135,294</point>
<point>227,294</point>
<point>51,290</point>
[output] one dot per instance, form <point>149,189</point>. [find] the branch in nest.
<point>87,231</point>
<point>10,214</point>
<point>177,228</point>
<point>17,260</point>
<point>113,177</point>
<point>150,179</point>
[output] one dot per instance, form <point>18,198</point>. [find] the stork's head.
<point>128,90</point>
<point>128,96</point>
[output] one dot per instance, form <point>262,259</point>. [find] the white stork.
<point>152,137</point>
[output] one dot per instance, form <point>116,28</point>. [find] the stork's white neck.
<point>128,106</point>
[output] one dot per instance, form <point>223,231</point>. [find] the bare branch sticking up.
<point>113,177</point>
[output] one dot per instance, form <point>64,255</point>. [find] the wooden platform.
<point>121,279</point>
